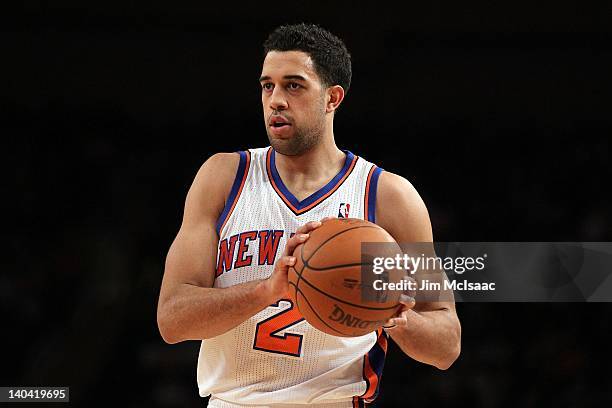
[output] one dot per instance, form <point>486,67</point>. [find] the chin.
<point>282,146</point>
<point>294,145</point>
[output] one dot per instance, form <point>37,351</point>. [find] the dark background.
<point>498,113</point>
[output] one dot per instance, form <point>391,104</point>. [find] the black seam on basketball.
<point>305,264</point>
<point>297,282</point>
<point>345,302</point>
<point>300,273</point>
<point>337,234</point>
<point>313,310</point>
<point>336,266</point>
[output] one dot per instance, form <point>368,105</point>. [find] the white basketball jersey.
<point>276,358</point>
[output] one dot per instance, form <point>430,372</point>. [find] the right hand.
<point>277,285</point>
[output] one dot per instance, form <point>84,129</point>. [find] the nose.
<point>277,99</point>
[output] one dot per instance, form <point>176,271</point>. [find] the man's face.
<point>293,100</point>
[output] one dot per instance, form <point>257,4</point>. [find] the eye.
<point>267,86</point>
<point>293,86</point>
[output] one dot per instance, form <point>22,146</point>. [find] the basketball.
<point>326,282</point>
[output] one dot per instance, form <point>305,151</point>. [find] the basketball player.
<point>225,280</point>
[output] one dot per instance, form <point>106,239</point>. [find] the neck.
<point>306,173</point>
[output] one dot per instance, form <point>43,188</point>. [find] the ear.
<point>335,96</point>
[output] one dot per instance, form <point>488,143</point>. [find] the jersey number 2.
<point>267,339</point>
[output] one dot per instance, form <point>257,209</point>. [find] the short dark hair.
<point>332,60</point>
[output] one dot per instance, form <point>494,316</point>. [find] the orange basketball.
<point>326,281</point>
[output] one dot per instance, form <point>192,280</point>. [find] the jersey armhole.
<point>373,365</point>
<point>234,195</point>
<point>370,194</point>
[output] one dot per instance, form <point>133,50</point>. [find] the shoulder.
<point>401,210</point>
<point>218,170</point>
<point>396,189</point>
<point>222,166</point>
<point>213,181</point>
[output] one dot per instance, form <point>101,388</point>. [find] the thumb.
<point>285,262</point>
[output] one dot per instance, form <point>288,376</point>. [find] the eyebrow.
<point>298,77</point>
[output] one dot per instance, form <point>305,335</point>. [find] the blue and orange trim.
<point>369,204</point>
<point>358,403</point>
<point>374,360</point>
<point>300,207</point>
<point>234,195</point>
<point>373,364</point>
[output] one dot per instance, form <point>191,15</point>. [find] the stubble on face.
<point>305,136</point>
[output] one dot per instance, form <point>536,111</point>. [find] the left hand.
<point>407,303</point>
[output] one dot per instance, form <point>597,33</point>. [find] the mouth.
<point>279,122</point>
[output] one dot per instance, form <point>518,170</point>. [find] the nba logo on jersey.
<point>343,212</point>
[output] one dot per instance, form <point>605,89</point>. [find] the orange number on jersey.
<point>267,339</point>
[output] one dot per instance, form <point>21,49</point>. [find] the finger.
<point>398,313</point>
<point>309,226</point>
<point>407,302</point>
<point>388,324</point>
<point>294,241</point>
<point>285,262</point>
<point>327,219</point>
<point>412,285</point>
<point>399,321</point>
<point>400,309</point>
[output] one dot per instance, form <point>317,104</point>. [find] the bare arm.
<point>189,307</point>
<point>429,332</point>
